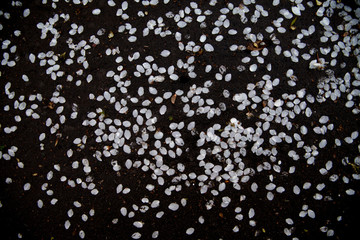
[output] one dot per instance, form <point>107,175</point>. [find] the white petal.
<point>124,5</point>
<point>82,234</point>
<point>296,10</point>
<point>127,149</point>
<point>96,11</point>
<point>311,213</point>
<point>163,109</point>
<point>69,153</point>
<point>165,53</point>
<point>159,78</point>
<point>322,143</point>
<point>138,224</point>
<point>40,203</point>
<point>132,39</point>
<point>128,164</point>
<point>32,58</point>
<point>253,68</point>
<point>67,224</point>
<point>77,204</point>
<point>126,190</point>
<point>123,211</point>
<point>251,213</point>
<point>208,47</point>
<point>119,188</point>
<point>87,169</point>
<point>181,24</point>
<point>190,231</point>
<point>136,235</point>
<point>200,18</point>
<point>27,186</point>
<point>173,206</point>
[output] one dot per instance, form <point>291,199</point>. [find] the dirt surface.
<point>22,218</point>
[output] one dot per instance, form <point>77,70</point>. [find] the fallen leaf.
<point>173,99</point>
<point>258,45</point>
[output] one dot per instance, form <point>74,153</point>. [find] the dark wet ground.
<point>19,213</point>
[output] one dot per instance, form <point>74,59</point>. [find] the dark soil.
<point>19,213</point>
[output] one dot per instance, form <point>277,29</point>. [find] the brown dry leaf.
<point>264,103</point>
<point>258,45</point>
<point>173,98</point>
<point>51,105</point>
